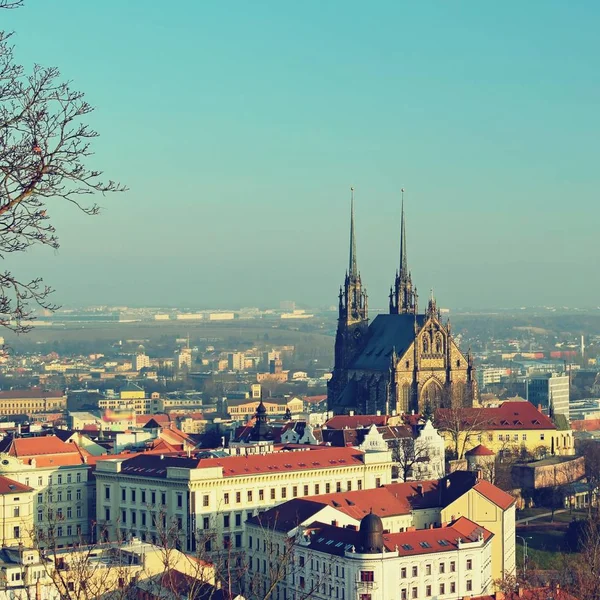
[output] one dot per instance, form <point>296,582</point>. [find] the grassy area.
<point>530,512</point>
<point>544,549</point>
<point>564,517</point>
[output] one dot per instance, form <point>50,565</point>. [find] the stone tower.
<point>403,296</point>
<point>353,319</point>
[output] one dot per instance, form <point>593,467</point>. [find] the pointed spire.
<point>403,257</point>
<point>353,269</point>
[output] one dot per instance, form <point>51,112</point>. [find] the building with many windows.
<point>16,512</point>
<point>210,499</point>
<point>342,561</point>
<point>28,402</point>
<point>58,474</point>
<point>551,391</point>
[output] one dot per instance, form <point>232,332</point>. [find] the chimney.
<point>378,413</point>
<point>162,457</point>
<point>351,413</point>
<point>420,489</point>
<point>334,523</point>
<point>521,592</point>
<point>479,474</point>
<point>500,596</point>
<point>540,409</point>
<point>447,482</point>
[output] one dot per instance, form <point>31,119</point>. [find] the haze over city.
<point>239,130</point>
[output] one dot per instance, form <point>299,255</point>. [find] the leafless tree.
<point>405,454</point>
<point>45,145</point>
<point>463,425</point>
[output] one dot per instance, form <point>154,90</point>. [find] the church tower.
<point>403,296</point>
<point>353,319</point>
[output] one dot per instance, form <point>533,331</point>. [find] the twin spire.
<point>353,299</point>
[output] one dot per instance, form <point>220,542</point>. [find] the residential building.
<point>330,560</point>
<point>511,426</point>
<point>403,507</point>
<point>236,361</point>
<point>59,475</point>
<point>240,409</point>
<point>16,512</point>
<point>551,391</point>
<point>217,495</point>
<point>28,402</point>
<point>140,361</point>
<point>184,358</point>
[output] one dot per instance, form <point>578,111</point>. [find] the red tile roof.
<point>359,503</point>
<point>45,450</point>
<point>442,539</point>
<point>9,486</point>
<point>494,494</point>
<point>479,450</point>
<point>315,399</point>
<point>509,415</point>
<point>586,425</point>
<point>356,421</point>
<point>336,540</point>
<point>239,466</point>
<point>324,458</point>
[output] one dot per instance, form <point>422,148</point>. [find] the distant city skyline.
<point>241,131</point>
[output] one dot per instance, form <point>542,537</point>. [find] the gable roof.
<point>289,515</point>
<point>10,486</point>
<point>494,494</point>
<point>386,334</point>
<point>335,540</point>
<point>479,450</point>
<point>45,450</point>
<point>507,416</point>
<point>146,465</point>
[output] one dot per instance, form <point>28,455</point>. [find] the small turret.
<point>371,535</point>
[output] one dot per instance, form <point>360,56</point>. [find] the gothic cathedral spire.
<point>403,296</point>
<point>353,297</point>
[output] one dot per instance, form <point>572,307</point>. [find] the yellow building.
<point>512,426</point>
<point>16,512</point>
<point>27,402</point>
<point>131,391</point>
<point>275,406</point>
<point>494,509</point>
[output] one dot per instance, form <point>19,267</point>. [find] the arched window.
<point>431,395</point>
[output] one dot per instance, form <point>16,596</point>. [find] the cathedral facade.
<point>400,362</point>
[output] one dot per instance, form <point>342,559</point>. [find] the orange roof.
<point>509,415</point>
<point>9,486</point>
<point>359,503</point>
<point>494,494</point>
<point>479,450</point>
<point>426,541</point>
<point>46,451</point>
<point>586,425</point>
<point>315,399</point>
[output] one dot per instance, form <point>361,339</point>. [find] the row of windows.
<point>227,497</point>
<point>144,496</point>
<point>58,479</point>
<point>59,513</point>
<point>67,495</point>
<point>61,531</point>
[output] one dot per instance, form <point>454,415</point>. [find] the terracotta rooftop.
<point>336,540</point>
<point>509,415</point>
<point>45,450</point>
<point>239,466</point>
<point>9,486</point>
<point>494,494</point>
<point>480,450</point>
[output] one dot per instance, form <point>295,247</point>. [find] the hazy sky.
<point>240,127</point>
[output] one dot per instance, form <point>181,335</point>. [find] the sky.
<point>239,128</point>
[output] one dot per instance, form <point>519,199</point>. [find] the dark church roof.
<point>386,333</point>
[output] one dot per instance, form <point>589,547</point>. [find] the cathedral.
<point>402,361</point>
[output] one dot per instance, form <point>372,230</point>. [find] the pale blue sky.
<point>240,126</point>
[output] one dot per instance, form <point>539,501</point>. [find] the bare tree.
<point>463,426</point>
<point>45,144</point>
<point>406,453</point>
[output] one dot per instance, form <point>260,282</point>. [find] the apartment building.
<point>329,560</point>
<point>28,402</point>
<point>210,499</point>
<point>58,474</point>
<point>16,512</point>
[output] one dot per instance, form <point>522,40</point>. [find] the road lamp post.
<point>524,553</point>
